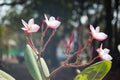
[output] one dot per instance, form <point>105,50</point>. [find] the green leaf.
<point>32,64</point>
<point>44,67</point>
<point>96,71</point>
<point>5,76</point>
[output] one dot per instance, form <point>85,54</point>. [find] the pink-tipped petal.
<point>34,28</point>
<point>54,24</point>
<point>23,28</point>
<point>101,46</point>
<point>97,29</point>
<point>100,36</point>
<point>51,18</point>
<point>106,50</point>
<point>109,57</point>
<point>92,28</point>
<point>46,19</point>
<point>24,23</point>
<point>31,22</point>
<point>57,23</point>
<point>106,57</point>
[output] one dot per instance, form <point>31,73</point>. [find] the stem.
<point>81,50</point>
<point>68,66</point>
<point>53,32</point>
<point>30,42</point>
<point>81,65</point>
<point>41,39</point>
<point>33,46</point>
<point>55,71</point>
<point>91,54</point>
<point>69,58</point>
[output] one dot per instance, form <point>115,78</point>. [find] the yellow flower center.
<point>28,27</point>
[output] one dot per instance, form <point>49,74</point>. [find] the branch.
<point>55,71</point>
<point>53,32</point>
<point>81,50</point>
<point>82,65</point>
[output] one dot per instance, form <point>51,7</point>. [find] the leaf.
<point>40,67</point>
<point>96,71</point>
<point>32,64</point>
<point>5,76</point>
<point>45,68</point>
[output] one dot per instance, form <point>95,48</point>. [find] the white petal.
<point>101,46</point>
<point>46,17</point>
<point>23,28</point>
<point>97,29</point>
<point>31,22</point>
<point>24,23</point>
<point>54,24</point>
<point>106,51</point>
<point>51,18</point>
<point>34,28</point>
<point>107,57</point>
<point>100,36</point>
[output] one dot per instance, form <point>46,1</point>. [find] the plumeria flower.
<point>100,36</point>
<point>52,22</point>
<point>30,27</point>
<point>103,53</point>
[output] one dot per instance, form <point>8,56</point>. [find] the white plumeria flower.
<point>100,36</point>
<point>103,53</point>
<point>30,27</point>
<point>52,22</point>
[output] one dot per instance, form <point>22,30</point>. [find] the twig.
<point>81,65</point>
<point>81,50</point>
<point>41,39</point>
<point>53,32</point>
<point>55,71</point>
<point>29,41</point>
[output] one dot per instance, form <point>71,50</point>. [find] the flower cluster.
<point>53,23</point>
<point>100,36</point>
<point>31,27</point>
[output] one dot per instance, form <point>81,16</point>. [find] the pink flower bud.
<point>69,41</point>
<point>30,27</point>
<point>103,53</point>
<point>100,36</point>
<point>71,38</point>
